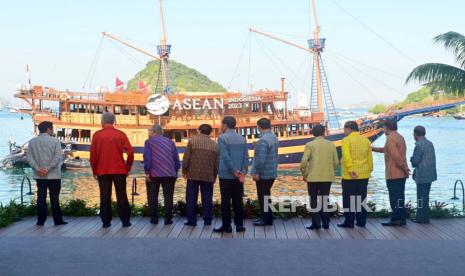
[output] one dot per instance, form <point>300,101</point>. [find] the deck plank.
<point>249,229</point>
<point>165,229</point>
<point>312,234</point>
<point>290,229</point>
<point>177,229</point>
<point>280,230</point>
<point>270,232</point>
<point>300,229</point>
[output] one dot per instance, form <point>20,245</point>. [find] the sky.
<point>371,46</point>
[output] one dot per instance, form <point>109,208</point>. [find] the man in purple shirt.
<point>161,165</point>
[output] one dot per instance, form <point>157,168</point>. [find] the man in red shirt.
<point>108,165</point>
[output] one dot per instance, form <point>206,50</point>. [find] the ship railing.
<point>25,178</point>
<point>458,181</point>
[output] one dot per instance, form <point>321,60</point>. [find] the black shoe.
<point>190,223</point>
<point>154,221</point>
<point>325,226</point>
<point>61,223</point>
<point>360,225</point>
<point>262,223</point>
<point>40,223</point>
<point>392,223</point>
<point>420,222</point>
<point>256,220</point>
<point>207,222</point>
<point>313,227</point>
<point>346,225</point>
<point>127,224</point>
<point>168,221</point>
<point>240,229</point>
<point>226,229</point>
<point>106,225</point>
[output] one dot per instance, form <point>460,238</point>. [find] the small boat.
<point>76,163</point>
<point>460,116</point>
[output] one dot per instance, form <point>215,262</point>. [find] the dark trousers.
<point>105,184</point>
<point>319,191</point>
<point>153,188</point>
<point>354,190</point>
<point>263,192</point>
<point>192,194</point>
<point>54,187</point>
<point>232,190</point>
<point>423,190</point>
<point>396,188</point>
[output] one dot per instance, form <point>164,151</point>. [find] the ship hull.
<point>290,150</point>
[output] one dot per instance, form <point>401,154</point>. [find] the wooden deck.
<point>443,229</point>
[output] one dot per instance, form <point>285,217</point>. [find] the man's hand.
<point>304,179</point>
<point>148,178</point>
<point>184,175</point>
<point>353,175</point>
<point>42,172</point>
<point>95,177</point>
<point>256,177</point>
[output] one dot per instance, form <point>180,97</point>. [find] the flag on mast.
<point>141,85</point>
<point>119,84</point>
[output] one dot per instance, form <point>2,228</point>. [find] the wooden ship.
<point>180,113</point>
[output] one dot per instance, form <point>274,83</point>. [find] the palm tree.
<point>449,78</point>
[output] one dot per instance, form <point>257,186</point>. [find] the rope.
<point>374,32</point>
<point>366,65</point>
<point>239,61</point>
<point>374,79</point>
<point>261,44</point>
<point>93,65</point>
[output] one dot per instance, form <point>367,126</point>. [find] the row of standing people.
<point>205,160</point>
<point>320,161</point>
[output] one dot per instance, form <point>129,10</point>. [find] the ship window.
<point>117,110</point>
<point>133,110</point>
<point>255,107</point>
<point>82,108</point>
<point>125,110</point>
<point>264,107</point>
<point>177,136</point>
<point>99,109</point>
<point>142,110</point>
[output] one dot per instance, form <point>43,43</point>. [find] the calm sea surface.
<point>446,133</point>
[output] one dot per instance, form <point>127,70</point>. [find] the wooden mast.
<point>164,50</point>
<point>316,58</point>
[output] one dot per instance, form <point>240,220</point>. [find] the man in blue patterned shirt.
<point>265,168</point>
<point>161,165</point>
<point>234,162</point>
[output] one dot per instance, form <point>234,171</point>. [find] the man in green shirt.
<point>318,167</point>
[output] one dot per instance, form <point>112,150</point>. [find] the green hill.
<point>418,96</point>
<point>184,78</point>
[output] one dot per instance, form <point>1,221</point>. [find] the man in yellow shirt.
<point>357,165</point>
<point>318,167</point>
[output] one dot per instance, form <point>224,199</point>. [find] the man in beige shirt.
<point>397,171</point>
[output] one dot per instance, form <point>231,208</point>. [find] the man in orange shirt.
<point>108,166</point>
<point>397,171</point>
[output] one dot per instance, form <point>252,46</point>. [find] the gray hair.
<point>157,129</point>
<point>108,118</point>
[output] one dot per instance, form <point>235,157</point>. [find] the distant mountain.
<point>184,78</point>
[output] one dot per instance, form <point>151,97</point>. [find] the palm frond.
<point>449,78</point>
<point>454,42</point>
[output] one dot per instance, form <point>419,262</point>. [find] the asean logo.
<point>157,104</point>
